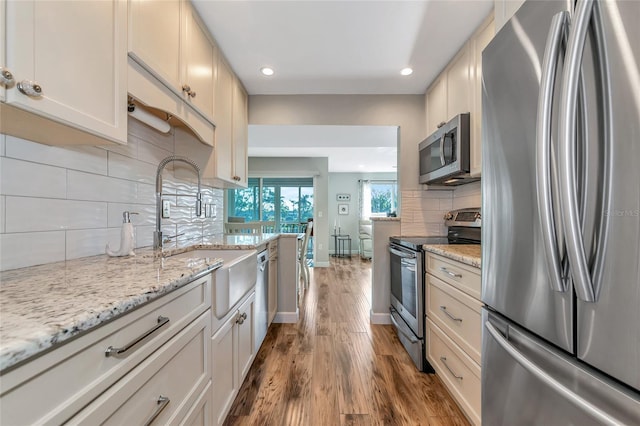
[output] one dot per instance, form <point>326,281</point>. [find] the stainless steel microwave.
<point>444,156</point>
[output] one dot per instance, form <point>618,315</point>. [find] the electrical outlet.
<point>343,197</point>
<point>320,246</point>
<point>166,209</point>
<point>319,214</point>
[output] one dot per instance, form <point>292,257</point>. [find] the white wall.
<point>316,167</point>
<point>64,203</point>
<point>405,111</point>
<point>347,183</point>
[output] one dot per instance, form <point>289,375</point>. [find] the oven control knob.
<point>448,216</point>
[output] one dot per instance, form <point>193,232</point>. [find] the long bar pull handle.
<point>111,351</point>
<point>567,175</point>
<point>543,150</point>
<point>162,402</point>
<point>448,272</point>
<point>444,309</point>
<point>532,368</point>
<point>400,329</point>
<point>442,139</point>
<point>453,373</point>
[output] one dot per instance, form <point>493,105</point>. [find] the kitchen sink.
<point>231,281</point>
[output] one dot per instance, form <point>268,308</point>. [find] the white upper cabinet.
<point>481,39</point>
<point>240,133</point>
<point>168,39</point>
<point>224,122</point>
<point>68,59</point>
<point>198,62</point>
<point>459,83</point>
<point>437,103</point>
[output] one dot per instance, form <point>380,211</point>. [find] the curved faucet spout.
<point>157,235</point>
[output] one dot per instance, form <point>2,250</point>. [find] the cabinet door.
<point>80,70</point>
<point>224,121</point>
<point>246,339</point>
<point>198,63</point>
<point>273,289</point>
<point>482,39</point>
<point>459,84</point>
<point>224,365</point>
<point>437,104</point>
<point>155,37</point>
<point>240,133</point>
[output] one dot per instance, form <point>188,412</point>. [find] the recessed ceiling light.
<point>267,71</point>
<point>406,71</point>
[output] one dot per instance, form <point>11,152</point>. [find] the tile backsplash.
<point>423,211</point>
<point>60,203</point>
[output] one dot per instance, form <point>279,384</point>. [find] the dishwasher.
<point>262,298</point>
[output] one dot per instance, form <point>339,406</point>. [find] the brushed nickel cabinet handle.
<point>444,309</point>
<point>111,351</point>
<point>6,77</point>
<point>448,272</point>
<point>162,402</point>
<point>30,88</point>
<point>192,94</point>
<point>444,361</point>
<point>186,88</point>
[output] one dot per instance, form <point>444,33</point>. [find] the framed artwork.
<point>343,208</point>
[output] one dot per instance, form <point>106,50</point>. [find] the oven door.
<point>407,292</point>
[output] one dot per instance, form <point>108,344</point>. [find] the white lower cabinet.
<point>454,329</point>
<point>232,352</point>
<point>163,388</point>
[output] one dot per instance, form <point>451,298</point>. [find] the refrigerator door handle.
<point>567,175</point>
<point>599,415</point>
<point>557,34</point>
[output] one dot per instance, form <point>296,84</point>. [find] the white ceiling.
<point>338,47</point>
<point>349,148</point>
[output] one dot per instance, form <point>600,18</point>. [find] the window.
<point>378,198</point>
<point>287,201</point>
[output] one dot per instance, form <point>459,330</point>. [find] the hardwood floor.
<point>334,368</point>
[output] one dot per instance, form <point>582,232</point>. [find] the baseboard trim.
<point>321,264</point>
<point>377,318</point>
<point>286,317</point>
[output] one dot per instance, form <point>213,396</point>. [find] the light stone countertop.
<point>46,305</point>
<point>469,254</point>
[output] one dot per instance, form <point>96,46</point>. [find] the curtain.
<point>365,198</point>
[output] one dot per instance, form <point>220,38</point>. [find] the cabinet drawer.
<point>450,361</point>
<point>462,277</point>
<point>164,388</point>
<point>457,314</point>
<point>82,365</point>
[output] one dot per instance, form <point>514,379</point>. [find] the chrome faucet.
<point>157,235</point>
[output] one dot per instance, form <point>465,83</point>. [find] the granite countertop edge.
<point>469,254</point>
<point>31,324</point>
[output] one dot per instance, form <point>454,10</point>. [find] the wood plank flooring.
<point>334,368</point>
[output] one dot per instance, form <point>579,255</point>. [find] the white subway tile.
<point>28,179</point>
<point>468,189</point>
<point>144,236</point>
<point>146,133</point>
<point>89,242</point>
<point>446,204</point>
<point>150,153</point>
<point>431,204</point>
<point>131,169</point>
<point>90,187</point>
<point>84,158</point>
<point>2,214</point>
<point>3,145</point>
<point>31,248</point>
<point>146,194</point>
<point>146,214</point>
<point>190,231</point>
<point>25,214</point>
<point>129,150</point>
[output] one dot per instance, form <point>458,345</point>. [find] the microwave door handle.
<point>543,151</point>
<point>442,160</point>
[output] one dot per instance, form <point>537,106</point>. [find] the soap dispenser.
<point>126,237</point>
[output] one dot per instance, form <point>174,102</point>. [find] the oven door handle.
<point>409,335</point>
<point>403,254</point>
<point>409,264</point>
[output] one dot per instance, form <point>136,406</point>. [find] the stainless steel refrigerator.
<point>561,216</point>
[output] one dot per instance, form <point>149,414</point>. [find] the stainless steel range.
<point>407,279</point>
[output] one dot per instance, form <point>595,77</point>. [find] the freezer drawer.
<point>525,381</point>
